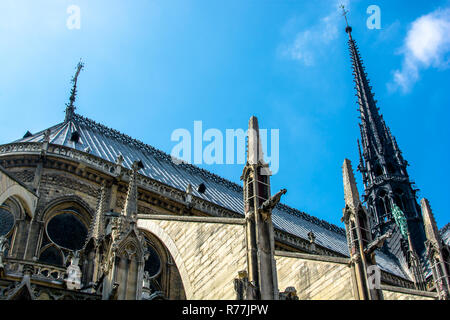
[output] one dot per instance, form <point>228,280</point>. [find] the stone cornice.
<point>314,257</point>
<point>389,278</point>
<point>410,291</point>
<point>239,221</point>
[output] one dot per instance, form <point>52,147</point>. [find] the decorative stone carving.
<point>73,280</point>
<point>4,245</point>
<point>290,293</point>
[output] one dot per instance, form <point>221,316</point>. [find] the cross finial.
<point>344,12</point>
<point>348,29</point>
<point>73,93</point>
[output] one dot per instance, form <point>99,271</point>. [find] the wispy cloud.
<point>427,45</point>
<point>310,44</point>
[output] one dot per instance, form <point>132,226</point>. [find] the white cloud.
<point>313,42</point>
<point>426,45</point>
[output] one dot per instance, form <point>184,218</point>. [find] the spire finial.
<point>130,207</point>
<point>348,29</point>
<point>351,194</point>
<point>73,93</point>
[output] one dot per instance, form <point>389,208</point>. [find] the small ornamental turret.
<point>359,239</point>
<point>70,107</point>
<point>258,205</point>
<point>440,263</point>
<point>126,254</point>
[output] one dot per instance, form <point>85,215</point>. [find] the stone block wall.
<point>208,252</point>
<point>396,293</point>
<point>314,279</point>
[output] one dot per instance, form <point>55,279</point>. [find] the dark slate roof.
<point>107,144</point>
<point>445,234</point>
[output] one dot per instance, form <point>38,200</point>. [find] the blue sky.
<point>155,66</point>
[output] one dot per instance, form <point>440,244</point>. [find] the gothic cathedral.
<point>89,213</point>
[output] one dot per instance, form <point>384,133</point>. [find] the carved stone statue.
<point>4,245</point>
<point>73,281</point>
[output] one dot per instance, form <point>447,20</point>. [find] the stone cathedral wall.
<point>329,279</point>
<point>208,252</point>
<point>390,293</point>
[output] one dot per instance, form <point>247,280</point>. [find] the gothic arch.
<point>57,215</point>
<point>382,204</point>
<point>53,204</point>
<point>16,191</point>
<point>50,253</point>
<point>378,170</point>
<point>400,200</point>
<point>130,247</point>
<point>164,237</point>
<point>15,207</point>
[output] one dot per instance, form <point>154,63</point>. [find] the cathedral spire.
<point>385,178</point>
<point>371,120</point>
<point>70,108</point>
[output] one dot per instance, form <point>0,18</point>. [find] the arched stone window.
<point>383,206</point>
<point>400,201</point>
<point>354,244</point>
<point>65,231</point>
<point>391,168</point>
<point>7,221</point>
<point>378,170</point>
<point>162,279</point>
<point>153,263</point>
<point>365,228</point>
<point>11,212</point>
<point>52,255</point>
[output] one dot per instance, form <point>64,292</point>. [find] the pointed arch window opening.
<point>365,231</point>
<point>7,221</point>
<point>51,254</point>
<point>383,207</point>
<point>153,265</point>
<point>378,170</point>
<point>400,201</point>
<point>446,255</point>
<point>11,211</point>
<point>250,194</point>
<point>441,280</point>
<point>353,238</point>
<point>374,217</point>
<point>391,168</point>
<point>354,233</point>
<point>66,230</point>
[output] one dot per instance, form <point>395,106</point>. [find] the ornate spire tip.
<point>348,29</point>
<point>73,93</point>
